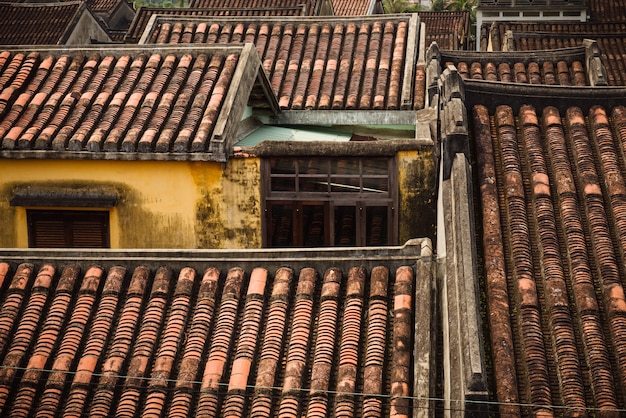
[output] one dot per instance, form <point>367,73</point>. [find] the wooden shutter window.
<point>68,229</point>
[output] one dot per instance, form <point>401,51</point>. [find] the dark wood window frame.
<point>361,197</point>
<point>51,228</point>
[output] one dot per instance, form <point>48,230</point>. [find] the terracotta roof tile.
<point>107,6</point>
<point>316,65</point>
<point>47,338</point>
<point>607,10</point>
<point>125,101</point>
<point>221,343</point>
<point>145,344</point>
<point>25,331</point>
<point>12,302</point>
<point>245,352</point>
<point>547,73</point>
<point>242,4</point>
<point>264,343</point>
<point>121,342</point>
<point>542,36</point>
<point>353,7</point>
<point>169,344</point>
<point>52,397</point>
<point>4,270</point>
<point>451,30</point>
<point>94,347</point>
<point>37,23</point>
<point>272,348</point>
<point>324,348</point>
<point>282,8</point>
<point>554,179</point>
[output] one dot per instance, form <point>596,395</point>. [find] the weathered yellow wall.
<point>417,184</point>
<point>163,204</point>
<point>168,204</point>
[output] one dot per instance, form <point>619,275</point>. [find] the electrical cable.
<point>327,392</point>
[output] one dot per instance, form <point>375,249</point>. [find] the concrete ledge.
<point>425,335</point>
<point>271,258</point>
<point>463,358</point>
<point>345,117</point>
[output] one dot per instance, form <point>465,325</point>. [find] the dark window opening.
<point>320,202</point>
<point>68,229</point>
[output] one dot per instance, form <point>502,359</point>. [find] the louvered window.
<point>68,229</point>
<point>318,202</point>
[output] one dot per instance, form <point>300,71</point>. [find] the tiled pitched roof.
<point>143,15</point>
<point>38,23</point>
<point>530,3</point>
<point>251,4</point>
<point>353,7</point>
<point>607,10</point>
<point>213,336</point>
<point>565,67</point>
<point>107,6</point>
<point>450,30</point>
<point>125,101</point>
<point>363,63</point>
<point>540,36</point>
<point>551,186</point>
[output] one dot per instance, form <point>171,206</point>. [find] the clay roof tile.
<point>142,344</point>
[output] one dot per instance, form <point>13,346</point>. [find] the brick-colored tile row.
<point>272,347</point>
<point>324,349</point>
<point>557,303</point>
<point>131,342</point>
<point>336,65</point>
<point>505,372</point>
<point>235,402</point>
<point>67,353</point>
<point>594,344</point>
<point>38,24</point>
<point>555,180</point>
<point>25,331</point>
<point>609,36</point>
<point>607,10</point>
<point>548,73</point>
<point>145,345</point>
<point>122,340</point>
<point>349,344</point>
<point>113,103</point>
<point>221,343</point>
<point>144,14</point>
<point>46,340</point>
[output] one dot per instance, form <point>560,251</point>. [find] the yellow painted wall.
<point>163,204</point>
<point>171,204</point>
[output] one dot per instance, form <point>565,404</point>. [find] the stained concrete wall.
<point>464,373</point>
<point>464,377</point>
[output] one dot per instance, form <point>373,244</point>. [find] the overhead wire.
<point>334,393</point>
